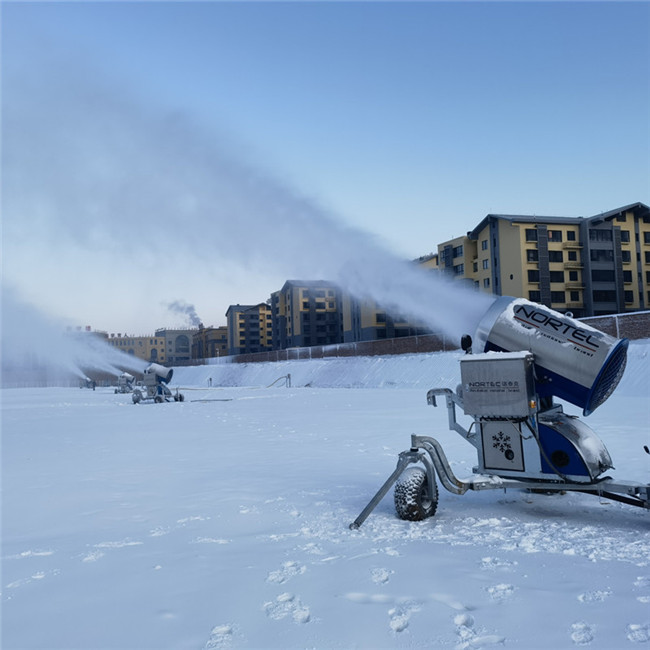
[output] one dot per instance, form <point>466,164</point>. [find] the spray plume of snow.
<point>93,170</point>
<point>38,349</point>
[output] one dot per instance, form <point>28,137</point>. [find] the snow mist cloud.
<point>90,169</point>
<point>37,349</point>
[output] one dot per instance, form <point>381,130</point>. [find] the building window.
<point>602,275</point>
<point>629,296</point>
<point>555,235</point>
<point>532,255</point>
<point>533,275</point>
<point>475,266</point>
<point>571,235</point>
<point>597,255</point>
<point>575,296</point>
<point>572,256</point>
<point>627,277</point>
<point>600,235</point>
<point>486,264</point>
<point>604,296</point>
<point>646,237</point>
<point>573,276</point>
<point>626,257</point>
<point>531,234</point>
<point>459,269</point>
<point>558,297</point>
<point>486,282</point>
<point>484,245</point>
<point>535,296</point>
<point>625,236</point>
<point>555,256</point>
<point>557,276</point>
<point>457,251</point>
<point>620,217</point>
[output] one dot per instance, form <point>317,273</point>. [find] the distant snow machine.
<point>125,383</point>
<point>524,355</point>
<point>155,380</point>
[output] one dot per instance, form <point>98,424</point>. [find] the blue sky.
<point>410,120</point>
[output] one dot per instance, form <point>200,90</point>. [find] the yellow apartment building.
<point>209,342</point>
<point>147,348</point>
<point>588,266</point>
<point>306,313</point>
<point>249,328</point>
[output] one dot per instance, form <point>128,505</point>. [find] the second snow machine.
<point>155,380</point>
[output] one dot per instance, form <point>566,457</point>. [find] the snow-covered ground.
<point>222,521</point>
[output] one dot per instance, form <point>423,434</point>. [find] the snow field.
<point>222,521</point>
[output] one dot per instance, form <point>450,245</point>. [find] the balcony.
<point>573,264</point>
<point>572,244</point>
<point>574,285</point>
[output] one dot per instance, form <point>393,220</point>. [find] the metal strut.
<point>432,457</point>
<point>405,459</point>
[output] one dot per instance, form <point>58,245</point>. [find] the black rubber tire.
<point>158,399</point>
<point>412,500</point>
<point>136,397</point>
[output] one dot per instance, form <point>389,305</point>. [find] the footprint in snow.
<point>638,633</point>
<point>468,637</point>
<point>381,576</point>
<point>221,638</point>
<point>597,596</point>
<point>582,633</point>
<point>501,592</point>
<point>401,615</point>
<point>286,572</point>
<point>287,604</point>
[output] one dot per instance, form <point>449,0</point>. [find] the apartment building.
<point>147,348</point>
<point>586,265</point>
<point>249,328</point>
<point>178,344</point>
<point>305,313</point>
<point>364,320</point>
<point>209,342</point>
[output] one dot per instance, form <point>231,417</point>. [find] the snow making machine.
<point>522,356</point>
<point>154,382</point>
<point>125,383</point>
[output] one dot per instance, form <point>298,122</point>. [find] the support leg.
<point>405,458</point>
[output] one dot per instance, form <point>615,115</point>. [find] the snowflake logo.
<point>501,442</point>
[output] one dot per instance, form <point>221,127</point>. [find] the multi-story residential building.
<point>586,265</point>
<point>178,344</point>
<point>210,342</point>
<point>306,313</point>
<point>364,320</point>
<point>249,328</point>
<point>430,261</point>
<point>148,348</point>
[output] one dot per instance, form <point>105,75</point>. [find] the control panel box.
<point>498,385</point>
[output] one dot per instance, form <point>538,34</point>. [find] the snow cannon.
<point>155,380</point>
<point>522,355</point>
<point>573,361</point>
<point>125,383</point>
<point>159,373</point>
